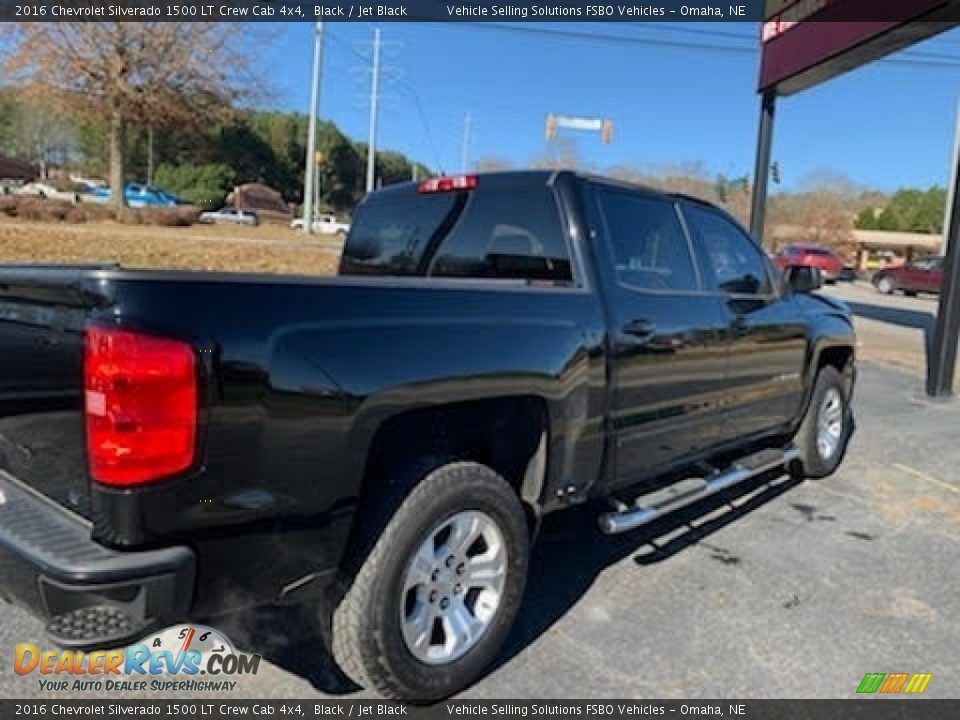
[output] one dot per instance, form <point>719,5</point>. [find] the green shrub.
<point>204,198</point>
<point>186,180</point>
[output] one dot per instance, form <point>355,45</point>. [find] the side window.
<point>507,234</point>
<point>730,261</point>
<point>649,247</point>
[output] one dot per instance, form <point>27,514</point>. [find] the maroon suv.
<point>922,275</point>
<point>830,264</point>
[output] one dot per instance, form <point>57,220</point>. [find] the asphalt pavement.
<point>892,329</point>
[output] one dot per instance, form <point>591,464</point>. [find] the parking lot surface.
<point>892,329</point>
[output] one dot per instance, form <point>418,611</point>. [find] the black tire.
<point>813,463</point>
<point>910,293</point>
<point>368,642</point>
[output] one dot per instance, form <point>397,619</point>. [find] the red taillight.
<point>448,184</point>
<point>140,404</point>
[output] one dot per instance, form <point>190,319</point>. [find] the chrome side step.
<point>647,508</point>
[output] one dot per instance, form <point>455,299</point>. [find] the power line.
<point>600,37</point>
<point>753,37</point>
<point>410,89</point>
<point>918,59</point>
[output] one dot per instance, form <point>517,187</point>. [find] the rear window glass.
<point>505,229</point>
<point>391,232</point>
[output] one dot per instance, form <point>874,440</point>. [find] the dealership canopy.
<point>807,42</point>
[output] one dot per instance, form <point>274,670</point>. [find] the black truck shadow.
<point>568,556</point>
<point>571,551</point>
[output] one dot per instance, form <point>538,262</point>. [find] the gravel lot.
<point>777,590</point>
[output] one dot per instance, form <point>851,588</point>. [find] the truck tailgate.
<point>42,315</point>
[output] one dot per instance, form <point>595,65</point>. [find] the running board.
<point>648,508</point>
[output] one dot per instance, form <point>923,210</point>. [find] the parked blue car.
<point>139,196</point>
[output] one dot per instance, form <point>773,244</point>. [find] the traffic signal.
<point>551,129</point>
<point>606,132</point>
<point>775,172</point>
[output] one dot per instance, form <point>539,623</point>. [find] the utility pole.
<point>761,172</point>
<point>953,182</point>
<point>374,93</point>
<point>310,170</point>
<point>465,147</point>
<point>150,154</point>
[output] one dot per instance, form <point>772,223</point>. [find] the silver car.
<point>232,216</point>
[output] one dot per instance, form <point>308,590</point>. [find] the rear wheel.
<point>886,285</point>
<point>434,600</point>
<point>825,430</point>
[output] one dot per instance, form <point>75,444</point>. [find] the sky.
<point>887,125</point>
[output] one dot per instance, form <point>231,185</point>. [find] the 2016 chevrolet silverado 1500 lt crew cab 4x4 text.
<point>384,443</point>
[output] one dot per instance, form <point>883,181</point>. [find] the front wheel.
<point>433,602</point>
<point>825,430</point>
<point>886,286</point>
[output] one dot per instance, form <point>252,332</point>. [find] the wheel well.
<point>502,433</point>
<point>506,434</point>
<point>840,358</point>
<point>837,357</point>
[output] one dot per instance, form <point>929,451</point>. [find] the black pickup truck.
<point>383,444</point>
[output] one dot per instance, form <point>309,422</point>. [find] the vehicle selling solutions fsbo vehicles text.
<point>631,11</point>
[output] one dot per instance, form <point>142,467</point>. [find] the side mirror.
<point>802,278</point>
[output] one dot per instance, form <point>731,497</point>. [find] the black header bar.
<point>381,11</point>
<point>878,708</point>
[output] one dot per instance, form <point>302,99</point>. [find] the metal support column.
<point>761,172</point>
<point>942,357</point>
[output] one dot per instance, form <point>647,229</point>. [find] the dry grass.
<point>203,248</point>
<point>47,210</point>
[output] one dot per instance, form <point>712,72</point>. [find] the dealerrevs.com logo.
<point>178,659</point>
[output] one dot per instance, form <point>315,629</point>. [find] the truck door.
<point>767,335</point>
<point>667,339</point>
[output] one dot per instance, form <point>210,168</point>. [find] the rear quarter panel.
<point>302,374</point>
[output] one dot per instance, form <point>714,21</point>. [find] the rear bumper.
<point>49,565</point>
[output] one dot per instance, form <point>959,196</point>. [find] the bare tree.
<point>492,163</point>
<point>164,74</point>
<point>563,153</point>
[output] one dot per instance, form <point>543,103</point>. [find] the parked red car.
<point>830,264</point>
<point>922,275</point>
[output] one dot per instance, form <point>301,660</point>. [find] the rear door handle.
<point>641,328</point>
